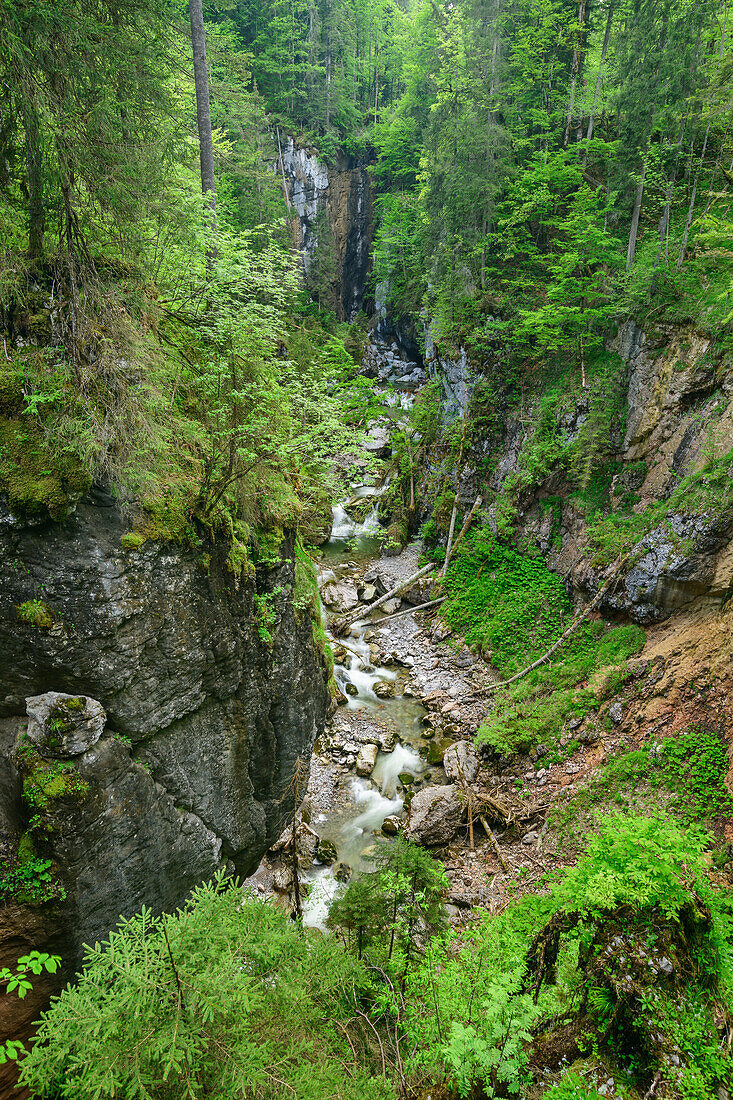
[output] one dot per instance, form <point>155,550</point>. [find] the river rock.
<point>435,816</point>
<point>341,872</point>
<point>461,762</point>
<point>391,825</point>
<point>64,725</point>
<point>340,596</point>
<point>368,593</point>
<point>616,713</point>
<point>384,689</point>
<point>390,606</point>
<point>282,878</point>
<point>366,759</point>
<point>326,853</point>
<point>377,439</point>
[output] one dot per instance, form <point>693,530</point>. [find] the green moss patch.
<point>36,613</point>
<point>34,480</point>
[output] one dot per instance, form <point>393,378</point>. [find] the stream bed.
<point>361,803</point>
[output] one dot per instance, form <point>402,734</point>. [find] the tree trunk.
<point>577,54</point>
<point>34,156</point>
<point>693,196</point>
<point>328,82</point>
<point>634,231</point>
<point>664,220</point>
<point>203,116</point>
<point>599,78</point>
<point>376,78</point>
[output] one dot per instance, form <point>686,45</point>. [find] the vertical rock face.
<point>455,374</point>
<point>333,212</point>
<point>207,717</point>
<point>680,406</point>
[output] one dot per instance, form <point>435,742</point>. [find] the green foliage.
<point>635,861</point>
<point>707,491</point>
<point>535,708</point>
<point>17,981</point>
<point>35,478</point>
<point>37,613</point>
<point>694,762</point>
<point>266,614</point>
<point>133,540</point>
<point>579,447</point>
<point>390,910</point>
<point>509,605</point>
<point>688,1022</point>
<point>226,995</point>
<point>32,882</point>
<point>46,781</point>
<point>572,1087</point>
<point>514,609</point>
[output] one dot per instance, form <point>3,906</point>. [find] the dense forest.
<point>543,176</point>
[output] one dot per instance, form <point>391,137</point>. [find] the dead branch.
<point>340,625</point>
<point>494,842</point>
<point>409,611</point>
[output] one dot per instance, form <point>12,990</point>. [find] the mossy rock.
<point>395,540</point>
<point>33,479</point>
<point>326,852</point>
<point>133,540</point>
<point>36,613</point>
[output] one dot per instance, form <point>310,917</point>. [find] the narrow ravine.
<point>376,733</point>
<point>382,744</point>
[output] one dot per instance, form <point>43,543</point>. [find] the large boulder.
<point>340,596</point>
<point>366,759</point>
<point>435,816</point>
<point>64,725</point>
<point>461,762</point>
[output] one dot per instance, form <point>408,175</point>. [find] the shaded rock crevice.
<point>217,717</point>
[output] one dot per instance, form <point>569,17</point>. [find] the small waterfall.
<point>390,765</point>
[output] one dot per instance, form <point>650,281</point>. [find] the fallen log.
<point>409,611</point>
<point>339,627</point>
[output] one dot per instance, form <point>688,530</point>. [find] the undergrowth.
<point>512,609</point>
<point>686,771</point>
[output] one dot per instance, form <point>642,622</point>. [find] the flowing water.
<point>363,803</point>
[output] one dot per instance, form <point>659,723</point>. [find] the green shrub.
<point>31,882</point>
<point>535,708</point>
<point>694,763</point>
<point>225,998</point>
<point>572,1087</point>
<point>37,613</point>
<point>509,605</point>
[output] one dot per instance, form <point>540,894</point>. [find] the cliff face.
<point>207,709</point>
<point>678,582</point>
<point>333,222</point>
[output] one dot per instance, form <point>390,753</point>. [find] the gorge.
<point>366,529</point>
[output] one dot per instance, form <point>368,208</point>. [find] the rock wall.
<point>204,721</point>
<point>679,584</point>
<point>680,405</point>
<point>333,201</point>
